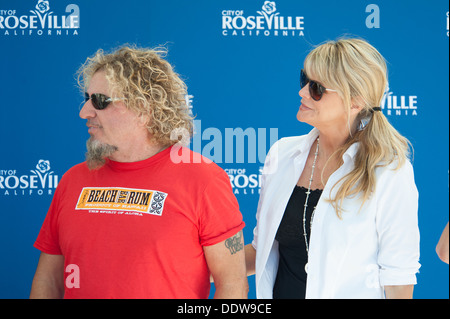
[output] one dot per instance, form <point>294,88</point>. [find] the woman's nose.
<point>304,91</point>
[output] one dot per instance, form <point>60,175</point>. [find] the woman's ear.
<point>357,105</point>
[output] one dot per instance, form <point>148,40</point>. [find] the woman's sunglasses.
<point>316,90</point>
<point>100,101</point>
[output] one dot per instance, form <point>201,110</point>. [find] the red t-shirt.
<point>136,230</point>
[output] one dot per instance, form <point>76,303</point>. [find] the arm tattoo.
<point>234,243</point>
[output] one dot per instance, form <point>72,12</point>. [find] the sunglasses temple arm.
<point>115,99</point>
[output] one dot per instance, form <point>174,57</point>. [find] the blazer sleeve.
<point>270,167</point>
<point>397,226</point>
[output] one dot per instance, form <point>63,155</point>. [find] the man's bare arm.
<point>226,262</point>
<point>250,256</point>
<point>48,281</point>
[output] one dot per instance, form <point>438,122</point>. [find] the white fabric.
<point>352,257</point>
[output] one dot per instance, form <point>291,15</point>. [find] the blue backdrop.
<point>241,62</point>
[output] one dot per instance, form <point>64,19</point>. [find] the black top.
<point>291,277</point>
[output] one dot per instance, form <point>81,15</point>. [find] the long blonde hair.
<point>359,73</point>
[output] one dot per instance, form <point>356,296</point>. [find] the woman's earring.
<point>364,122</point>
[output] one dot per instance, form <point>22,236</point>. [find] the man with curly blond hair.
<point>130,222</point>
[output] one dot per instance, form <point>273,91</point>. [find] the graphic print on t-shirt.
<point>121,199</point>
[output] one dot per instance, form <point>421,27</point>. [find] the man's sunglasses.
<point>316,90</point>
<point>99,101</point>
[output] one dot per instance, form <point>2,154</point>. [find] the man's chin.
<point>97,153</point>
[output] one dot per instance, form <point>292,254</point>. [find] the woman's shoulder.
<point>396,169</point>
<point>288,145</point>
<point>282,152</point>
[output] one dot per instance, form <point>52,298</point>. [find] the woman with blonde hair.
<point>337,215</point>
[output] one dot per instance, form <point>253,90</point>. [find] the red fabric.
<point>136,230</point>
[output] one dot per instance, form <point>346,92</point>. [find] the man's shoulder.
<point>75,172</point>
<point>189,161</point>
<point>78,169</point>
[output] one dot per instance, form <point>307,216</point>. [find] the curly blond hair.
<point>149,85</point>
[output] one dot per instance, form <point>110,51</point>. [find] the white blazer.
<point>352,257</point>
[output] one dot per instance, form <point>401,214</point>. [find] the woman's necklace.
<point>306,204</point>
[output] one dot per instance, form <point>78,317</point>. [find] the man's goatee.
<point>97,153</point>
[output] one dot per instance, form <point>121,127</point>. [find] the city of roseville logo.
<point>41,22</point>
<point>267,23</point>
<point>403,105</point>
<point>42,181</point>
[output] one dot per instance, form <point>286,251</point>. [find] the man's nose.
<point>87,111</point>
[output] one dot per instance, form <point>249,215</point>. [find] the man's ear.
<point>144,119</point>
